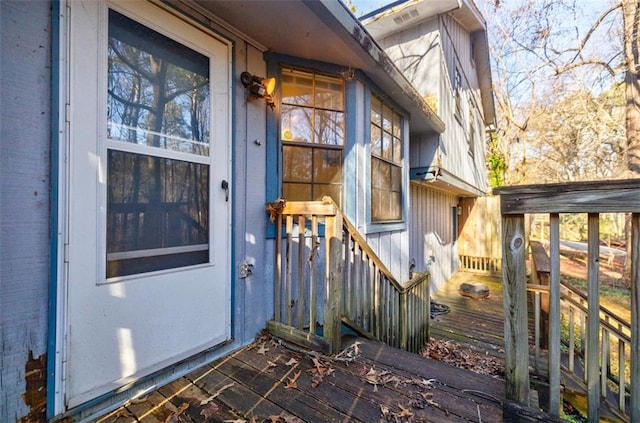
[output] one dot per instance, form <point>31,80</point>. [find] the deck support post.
<point>554,315</point>
<point>333,282</point>
<point>515,307</point>
<point>634,401</point>
<point>593,319</point>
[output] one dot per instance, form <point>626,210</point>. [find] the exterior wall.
<point>461,154</point>
<point>480,227</point>
<point>432,242</point>
<point>428,54</point>
<point>25,113</point>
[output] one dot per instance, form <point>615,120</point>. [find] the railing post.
<point>333,281</point>
<point>404,320</point>
<point>593,319</point>
<point>554,316</point>
<point>515,308</point>
<point>634,402</point>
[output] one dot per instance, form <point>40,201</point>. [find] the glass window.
<point>386,163</point>
<point>312,134</point>
<point>158,98</point>
<point>158,89</point>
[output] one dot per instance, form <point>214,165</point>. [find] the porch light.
<point>259,87</point>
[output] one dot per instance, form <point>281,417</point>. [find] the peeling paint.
<point>35,395</point>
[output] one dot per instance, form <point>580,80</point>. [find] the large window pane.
<point>158,89</point>
<point>312,113</point>
<point>329,127</point>
<point>297,164</point>
<point>297,88</point>
<point>386,163</point>
<point>328,93</point>
<point>296,192</point>
<point>327,165</point>
<point>157,213</point>
<point>296,123</point>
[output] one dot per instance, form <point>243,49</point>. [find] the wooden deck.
<point>265,380</point>
<point>476,322</point>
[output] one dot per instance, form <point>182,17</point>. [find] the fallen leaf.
<point>209,410</point>
<point>270,366</point>
<point>263,349</point>
<point>316,380</point>
<point>221,390</point>
<point>292,383</point>
<point>173,417</point>
<point>291,362</point>
<point>405,412</point>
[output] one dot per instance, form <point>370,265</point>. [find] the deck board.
<point>381,383</point>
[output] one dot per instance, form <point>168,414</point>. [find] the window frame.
<point>391,224</point>
<point>107,144</point>
<point>312,145</point>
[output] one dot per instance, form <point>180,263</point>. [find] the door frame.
<point>57,346</point>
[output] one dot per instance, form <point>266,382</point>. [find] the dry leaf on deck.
<point>263,349</point>
<point>221,390</point>
<point>209,410</point>
<point>291,362</point>
<point>292,383</point>
<point>270,366</point>
<point>405,412</point>
<point>173,417</point>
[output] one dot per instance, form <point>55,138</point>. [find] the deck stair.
<point>328,277</point>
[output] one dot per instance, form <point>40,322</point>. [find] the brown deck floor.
<point>476,322</point>
<point>265,380</point>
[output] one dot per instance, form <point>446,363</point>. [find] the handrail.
<point>599,326</point>
<point>359,290</point>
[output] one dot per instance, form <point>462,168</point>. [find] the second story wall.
<point>438,57</point>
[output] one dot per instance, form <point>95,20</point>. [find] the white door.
<point>148,214</point>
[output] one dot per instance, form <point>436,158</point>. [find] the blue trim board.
<point>350,159</point>
<point>273,166</point>
<point>54,173</point>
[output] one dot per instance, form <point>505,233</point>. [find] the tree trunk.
<point>631,19</point>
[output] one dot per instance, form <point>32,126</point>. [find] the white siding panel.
<point>432,241</point>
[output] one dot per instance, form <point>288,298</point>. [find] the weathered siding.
<point>428,53</point>
<point>480,227</point>
<point>461,153</point>
<point>432,241</point>
<point>25,46</point>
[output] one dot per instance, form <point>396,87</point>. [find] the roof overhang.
<point>326,31</point>
<point>443,180</point>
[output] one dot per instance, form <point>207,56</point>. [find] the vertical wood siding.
<point>456,157</point>
<point>25,114</point>
<point>432,242</point>
<point>428,54</point>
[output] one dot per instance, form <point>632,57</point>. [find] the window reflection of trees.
<point>158,96</point>
<point>312,132</point>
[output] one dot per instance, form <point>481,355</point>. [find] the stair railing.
<point>327,279</point>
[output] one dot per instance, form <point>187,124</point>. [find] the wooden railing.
<point>591,198</point>
<point>475,264</point>
<point>615,343</point>
<point>328,278</point>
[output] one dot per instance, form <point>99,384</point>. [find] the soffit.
<point>323,31</point>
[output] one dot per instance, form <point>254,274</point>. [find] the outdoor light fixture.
<point>259,87</point>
